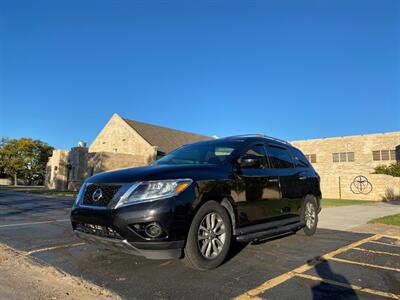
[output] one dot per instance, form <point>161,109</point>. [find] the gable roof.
<point>166,139</point>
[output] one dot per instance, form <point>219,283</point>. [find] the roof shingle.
<point>166,139</point>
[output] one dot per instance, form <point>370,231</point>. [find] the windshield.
<point>200,154</point>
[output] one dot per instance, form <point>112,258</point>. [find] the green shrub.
<point>392,170</point>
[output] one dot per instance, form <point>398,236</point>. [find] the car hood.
<point>162,172</point>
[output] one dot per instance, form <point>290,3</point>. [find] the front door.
<point>258,187</point>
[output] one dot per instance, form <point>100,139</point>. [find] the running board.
<point>265,226</point>
<point>270,232</point>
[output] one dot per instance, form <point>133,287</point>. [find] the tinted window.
<point>300,161</point>
<point>257,151</point>
<point>204,153</point>
<point>280,157</point>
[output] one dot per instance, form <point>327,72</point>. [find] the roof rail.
<point>262,135</point>
<point>276,139</point>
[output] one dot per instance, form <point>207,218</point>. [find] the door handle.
<point>302,177</point>
<point>273,180</point>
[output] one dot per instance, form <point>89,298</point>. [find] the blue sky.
<point>292,69</point>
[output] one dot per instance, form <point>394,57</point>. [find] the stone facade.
<point>57,170</point>
<point>117,146</point>
<point>118,137</point>
<point>340,160</point>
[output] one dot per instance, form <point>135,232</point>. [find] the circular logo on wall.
<point>361,185</point>
<point>97,195</point>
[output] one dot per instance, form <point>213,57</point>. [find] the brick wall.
<point>363,164</point>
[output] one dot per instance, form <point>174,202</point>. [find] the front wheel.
<point>309,215</point>
<point>209,237</point>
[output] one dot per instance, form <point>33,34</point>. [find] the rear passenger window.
<point>280,157</point>
<point>300,161</point>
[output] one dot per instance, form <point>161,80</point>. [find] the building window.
<point>312,158</point>
<point>335,157</point>
<point>384,155</point>
<point>55,168</point>
<point>393,155</point>
<point>350,156</point>
<point>376,155</point>
<point>343,157</point>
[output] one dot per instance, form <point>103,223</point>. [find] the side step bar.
<point>265,226</point>
<point>270,232</point>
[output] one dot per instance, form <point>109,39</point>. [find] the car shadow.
<point>237,247</point>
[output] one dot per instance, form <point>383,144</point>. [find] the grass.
<point>39,190</point>
<point>388,220</point>
<point>343,202</point>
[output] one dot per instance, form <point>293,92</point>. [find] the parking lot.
<point>331,264</point>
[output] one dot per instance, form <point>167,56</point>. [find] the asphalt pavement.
<point>329,264</point>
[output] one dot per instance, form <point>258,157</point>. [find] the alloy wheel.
<point>211,235</point>
<point>310,215</point>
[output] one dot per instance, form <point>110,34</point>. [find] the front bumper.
<point>173,215</point>
<point>126,247</point>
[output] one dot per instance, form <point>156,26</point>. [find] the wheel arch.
<point>226,202</point>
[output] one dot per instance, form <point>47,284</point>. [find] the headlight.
<point>153,190</point>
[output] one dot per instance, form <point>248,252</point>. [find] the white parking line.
<point>33,223</point>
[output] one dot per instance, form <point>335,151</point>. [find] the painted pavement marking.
<point>350,286</point>
<point>364,264</point>
<point>376,252</point>
<point>33,223</point>
<point>253,293</point>
<point>53,248</point>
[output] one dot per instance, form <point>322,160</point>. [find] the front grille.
<point>107,192</point>
<point>103,231</point>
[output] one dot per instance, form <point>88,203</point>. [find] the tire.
<point>309,215</point>
<point>209,251</point>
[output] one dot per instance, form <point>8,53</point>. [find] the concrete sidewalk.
<point>348,217</point>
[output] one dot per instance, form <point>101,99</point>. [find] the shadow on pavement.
<point>324,290</point>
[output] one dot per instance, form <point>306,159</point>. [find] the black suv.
<point>197,200</point>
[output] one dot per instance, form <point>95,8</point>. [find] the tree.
<point>24,158</point>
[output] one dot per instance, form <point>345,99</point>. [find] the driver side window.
<point>257,151</point>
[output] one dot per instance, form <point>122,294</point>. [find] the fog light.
<point>153,230</point>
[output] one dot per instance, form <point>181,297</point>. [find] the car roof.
<point>247,138</point>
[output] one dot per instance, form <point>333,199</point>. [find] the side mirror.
<point>249,161</point>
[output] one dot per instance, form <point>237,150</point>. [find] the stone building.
<point>121,143</point>
<point>346,165</point>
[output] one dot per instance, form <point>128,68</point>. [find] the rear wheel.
<point>209,237</point>
<point>309,215</point>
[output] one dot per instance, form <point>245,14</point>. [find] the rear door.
<point>282,162</point>
<point>258,189</point>
<point>303,178</point>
